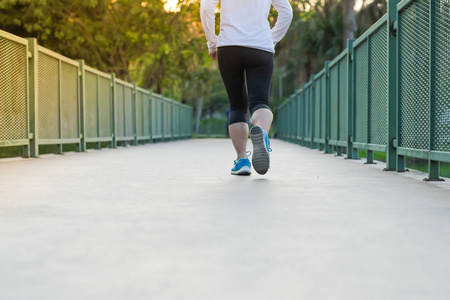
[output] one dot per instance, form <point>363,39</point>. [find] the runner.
<point>244,49</point>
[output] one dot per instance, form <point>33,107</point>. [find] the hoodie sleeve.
<point>284,10</point>
<point>207,8</point>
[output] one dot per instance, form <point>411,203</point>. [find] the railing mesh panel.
<point>174,120</point>
<point>307,113</point>
<point>177,121</point>
<point>318,108</point>
<point>183,122</point>
<point>343,100</point>
<point>378,86</point>
<point>413,34</point>
<point>288,119</point>
<point>69,101</point>
<point>167,119</point>
<point>323,116</point>
<point>120,107</point>
<point>361,92</point>
<point>186,124</point>
<point>157,120</point>
<point>139,112</point>
<point>295,117</point>
<point>153,120</point>
<point>289,116</point>
<point>129,128</point>
<point>90,104</point>
<point>292,118</point>
<point>48,97</point>
<point>299,116</point>
<point>289,111</point>
<point>441,76</point>
<point>161,117</point>
<point>105,105</point>
<point>146,113</point>
<point>334,102</point>
<point>13,90</point>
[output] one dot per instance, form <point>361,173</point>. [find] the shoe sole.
<point>242,171</point>
<point>260,158</point>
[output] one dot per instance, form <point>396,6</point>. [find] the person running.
<point>244,50</point>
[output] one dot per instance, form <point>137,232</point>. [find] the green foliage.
<point>315,35</point>
<point>166,51</point>
<point>138,41</point>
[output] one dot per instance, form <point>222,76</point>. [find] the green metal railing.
<point>49,99</point>
<point>389,91</point>
<point>14,92</point>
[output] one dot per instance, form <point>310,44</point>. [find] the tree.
<point>134,39</point>
<point>349,21</point>
<point>315,35</point>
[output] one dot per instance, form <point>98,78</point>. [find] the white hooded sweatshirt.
<point>245,23</point>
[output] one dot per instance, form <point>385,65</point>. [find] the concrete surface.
<point>167,221</point>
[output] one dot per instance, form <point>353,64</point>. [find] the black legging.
<point>247,74</point>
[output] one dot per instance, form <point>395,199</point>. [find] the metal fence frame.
<point>97,106</point>
<point>15,116</point>
<point>372,119</point>
<point>157,116</point>
<point>58,99</point>
<point>368,100</point>
<point>338,77</point>
<point>50,99</point>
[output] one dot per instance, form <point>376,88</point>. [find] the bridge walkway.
<point>168,221</point>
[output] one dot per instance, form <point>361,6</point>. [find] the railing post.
<point>190,118</point>
<point>352,153</point>
<point>298,117</point>
<point>391,150</point>
<point>289,118</point>
<point>433,166</point>
<point>114,113</point>
<point>82,106</point>
<point>328,147</point>
<point>393,31</point>
<point>150,112</point>
<point>59,146</point>
<point>33,89</point>
<point>369,153</point>
<point>163,118</point>
<point>303,114</point>
<point>339,104</point>
<point>173,121</point>
<point>135,112</point>
<point>312,111</point>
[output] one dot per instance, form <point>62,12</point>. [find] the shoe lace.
<point>248,154</point>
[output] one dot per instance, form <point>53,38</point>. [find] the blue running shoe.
<point>261,150</point>
<point>242,166</point>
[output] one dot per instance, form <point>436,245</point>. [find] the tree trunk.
<point>350,25</point>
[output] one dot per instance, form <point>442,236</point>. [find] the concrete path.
<point>167,221</point>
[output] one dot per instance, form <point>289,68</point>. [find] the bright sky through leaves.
<point>170,5</point>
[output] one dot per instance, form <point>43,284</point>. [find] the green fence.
<point>389,91</point>
<point>14,92</point>
<point>49,99</point>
